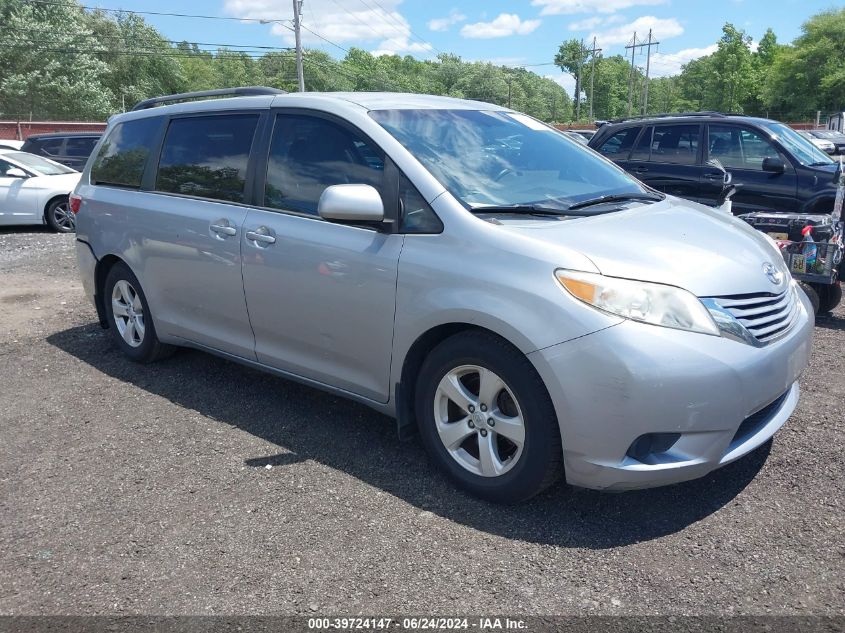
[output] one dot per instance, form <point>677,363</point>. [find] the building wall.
<point>21,130</point>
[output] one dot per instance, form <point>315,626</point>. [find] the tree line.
<point>61,61</point>
<point>790,82</point>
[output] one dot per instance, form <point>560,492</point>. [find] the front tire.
<point>486,418</point>
<point>829,297</point>
<point>59,216</point>
<point>129,318</point>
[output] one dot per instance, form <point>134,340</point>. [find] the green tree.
<point>810,74</point>
<point>570,58</point>
<point>50,67</point>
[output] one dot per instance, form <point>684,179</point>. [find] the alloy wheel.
<point>479,420</point>
<point>128,313</point>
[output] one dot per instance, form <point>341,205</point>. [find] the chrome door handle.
<point>261,235</point>
<point>222,229</point>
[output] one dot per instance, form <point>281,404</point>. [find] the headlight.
<point>656,304</point>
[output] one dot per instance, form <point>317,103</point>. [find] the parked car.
<point>34,190</point>
<point>823,144</point>
<point>836,138</point>
<point>10,144</point>
<point>575,137</point>
<point>68,148</point>
<point>775,168</point>
<point>521,301</point>
<point>587,134</point>
<point>836,122</point>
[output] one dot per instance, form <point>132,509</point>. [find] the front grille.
<point>757,421</point>
<point>765,315</point>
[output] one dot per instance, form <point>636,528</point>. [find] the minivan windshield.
<point>40,165</point>
<point>801,148</point>
<point>506,159</point>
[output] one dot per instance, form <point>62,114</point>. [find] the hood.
<point>61,180</point>
<point>675,242</point>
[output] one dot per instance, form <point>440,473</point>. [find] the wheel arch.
<point>50,200</point>
<point>104,265</point>
<point>405,388</point>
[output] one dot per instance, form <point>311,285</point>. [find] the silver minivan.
<point>524,304</point>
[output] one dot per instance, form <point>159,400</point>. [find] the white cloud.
<point>564,80</point>
<point>341,21</point>
<point>504,25</point>
<point>443,24</point>
<point>667,64</point>
<point>590,23</point>
<point>663,29</point>
<point>572,7</point>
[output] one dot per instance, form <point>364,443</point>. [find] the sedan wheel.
<point>60,217</point>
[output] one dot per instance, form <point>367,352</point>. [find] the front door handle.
<point>715,177</point>
<point>261,235</point>
<point>224,229</point>
<point>640,170</point>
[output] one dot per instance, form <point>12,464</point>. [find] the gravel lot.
<point>195,486</point>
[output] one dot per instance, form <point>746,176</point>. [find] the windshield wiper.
<point>620,197</point>
<point>529,209</point>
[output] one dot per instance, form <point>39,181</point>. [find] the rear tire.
<point>59,216</point>
<point>829,297</point>
<point>469,380</point>
<point>812,295</point>
<point>129,317</point>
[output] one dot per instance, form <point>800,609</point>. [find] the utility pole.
<point>647,71</point>
<point>509,80</point>
<point>297,18</point>
<point>578,81</point>
<point>593,52</point>
<point>634,46</point>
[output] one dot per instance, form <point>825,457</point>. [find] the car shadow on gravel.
<point>308,424</point>
<point>830,321</point>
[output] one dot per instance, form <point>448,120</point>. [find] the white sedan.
<point>35,190</point>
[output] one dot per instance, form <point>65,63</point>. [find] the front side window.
<point>618,146</point>
<point>308,154</point>
<point>740,148</point>
<point>491,158</point>
<point>207,156</point>
<point>675,144</point>
<point>123,155</point>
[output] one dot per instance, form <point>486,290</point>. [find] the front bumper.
<point>616,385</point>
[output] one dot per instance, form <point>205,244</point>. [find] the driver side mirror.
<point>15,172</point>
<point>774,165</point>
<point>351,203</point>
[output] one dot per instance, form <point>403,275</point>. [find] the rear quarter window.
<point>123,155</point>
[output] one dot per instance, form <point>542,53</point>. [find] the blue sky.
<point>515,32</point>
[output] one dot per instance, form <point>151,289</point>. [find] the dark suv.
<point>68,148</point>
<point>778,170</point>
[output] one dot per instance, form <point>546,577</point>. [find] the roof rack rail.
<point>669,114</point>
<point>244,91</point>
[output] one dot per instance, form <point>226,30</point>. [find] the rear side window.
<point>643,149</point>
<point>308,154</point>
<point>207,156</point>
<point>618,146</point>
<point>123,155</point>
<point>80,146</point>
<point>676,144</point>
<point>51,147</point>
